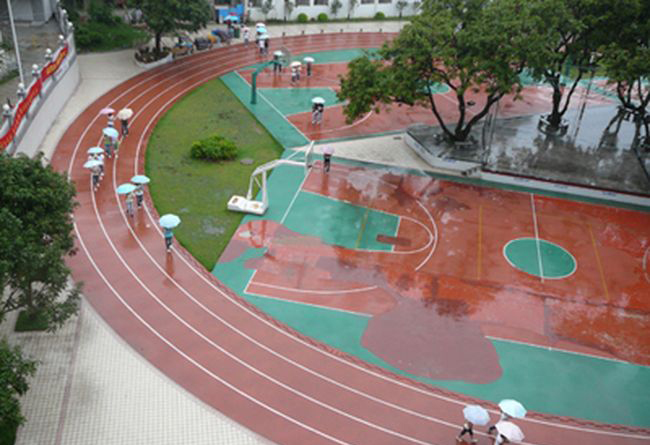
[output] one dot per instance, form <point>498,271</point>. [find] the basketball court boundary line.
<point>317,306</point>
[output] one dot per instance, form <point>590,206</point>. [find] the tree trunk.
<point>555,118</point>
<point>158,40</point>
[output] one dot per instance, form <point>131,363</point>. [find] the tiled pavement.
<point>91,387</point>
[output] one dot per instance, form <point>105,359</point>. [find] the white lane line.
<point>329,308</point>
<point>183,290</point>
<point>537,243</point>
<point>645,264</point>
<point>319,292</point>
<point>381,376</point>
<point>295,196</point>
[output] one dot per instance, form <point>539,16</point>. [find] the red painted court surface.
<point>531,100</point>
<point>289,388</point>
<point>451,253</point>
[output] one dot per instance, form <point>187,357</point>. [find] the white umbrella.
<point>107,110</point>
<point>125,189</point>
<point>296,64</point>
<point>512,432</point>
<point>169,221</point>
<point>92,163</point>
<point>512,408</point>
<point>308,60</point>
<point>318,100</point>
<point>329,150</point>
<point>260,25</point>
<point>278,53</point>
<point>474,413</point>
<point>125,113</point>
<point>95,150</point>
<point>110,132</point>
<point>140,179</point>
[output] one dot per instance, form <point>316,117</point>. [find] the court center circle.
<point>540,258</point>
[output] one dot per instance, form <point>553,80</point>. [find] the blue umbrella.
<point>169,221</point>
<point>125,189</point>
<point>261,30</point>
<point>512,408</point>
<point>110,132</point>
<point>92,163</point>
<point>476,414</point>
<point>140,179</point>
<point>95,150</point>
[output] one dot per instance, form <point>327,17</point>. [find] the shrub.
<point>322,17</point>
<point>86,37</point>
<point>380,16</point>
<point>103,13</point>
<point>302,18</point>
<point>214,148</point>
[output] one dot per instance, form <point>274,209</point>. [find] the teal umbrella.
<point>125,189</point>
<point>169,221</point>
<point>512,408</point>
<point>95,150</point>
<point>140,179</point>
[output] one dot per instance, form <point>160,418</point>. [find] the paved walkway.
<point>91,387</point>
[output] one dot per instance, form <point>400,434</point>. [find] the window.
<point>385,1</point>
<point>365,2</point>
<point>321,2</point>
<point>302,3</point>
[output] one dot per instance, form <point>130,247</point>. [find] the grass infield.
<point>198,191</point>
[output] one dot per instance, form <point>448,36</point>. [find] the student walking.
<point>169,236</point>
<point>261,45</point>
<point>100,158</point>
<point>129,204</point>
<point>125,126</point>
<point>108,145</point>
<point>327,158</point>
<point>139,195</point>
<point>468,428</point>
<point>246,33</point>
<point>111,120</point>
<point>95,178</point>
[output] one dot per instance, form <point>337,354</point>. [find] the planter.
<point>168,58</point>
<point>545,127</point>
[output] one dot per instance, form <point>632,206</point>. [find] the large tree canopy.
<point>36,206</point>
<point>627,62</point>
<point>471,46</point>
<point>14,372</point>
<point>579,28</point>
<point>169,16</point>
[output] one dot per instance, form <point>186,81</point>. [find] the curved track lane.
<point>288,388</point>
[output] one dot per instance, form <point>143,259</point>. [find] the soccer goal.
<point>258,183</point>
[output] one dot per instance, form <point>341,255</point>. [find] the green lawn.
<point>198,191</point>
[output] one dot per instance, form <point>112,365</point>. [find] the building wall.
<point>33,11</point>
<point>362,10</point>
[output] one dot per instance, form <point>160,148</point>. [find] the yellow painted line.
<point>362,229</point>
<point>480,241</point>
<point>600,264</point>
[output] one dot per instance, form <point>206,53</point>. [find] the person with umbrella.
<point>474,415</point>
<point>246,34</point>
<point>327,158</point>
<point>124,115</point>
<point>129,205</point>
<point>318,109</point>
<point>169,222</point>
<point>309,61</point>
<point>509,409</point>
<point>139,181</point>
<point>127,189</point>
<point>507,432</point>
<point>93,166</point>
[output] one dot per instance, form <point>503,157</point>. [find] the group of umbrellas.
<point>130,187</point>
<point>123,114</point>
<point>511,408</point>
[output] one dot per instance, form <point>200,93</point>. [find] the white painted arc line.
<point>435,228</point>
<point>537,244</point>
<point>251,367</point>
<point>399,383</point>
<point>451,400</point>
<point>419,389</point>
<point>361,314</point>
<point>645,264</point>
<point>318,292</point>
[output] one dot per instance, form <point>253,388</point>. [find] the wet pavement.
<point>600,149</point>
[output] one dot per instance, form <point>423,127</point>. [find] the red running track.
<point>287,388</point>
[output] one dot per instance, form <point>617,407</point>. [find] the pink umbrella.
<point>329,150</point>
<point>107,110</point>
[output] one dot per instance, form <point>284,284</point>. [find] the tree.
<point>627,63</point>
<point>477,46</point>
<point>352,4</point>
<point>288,9</point>
<point>401,5</point>
<point>579,28</point>
<point>267,7</point>
<point>416,7</point>
<point>36,206</point>
<point>169,16</point>
<point>14,372</point>
<point>335,7</point>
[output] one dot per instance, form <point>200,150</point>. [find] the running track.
<point>178,316</point>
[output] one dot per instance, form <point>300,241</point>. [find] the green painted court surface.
<point>549,381</point>
<point>540,258</point>
<point>297,100</point>
<point>340,224</point>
